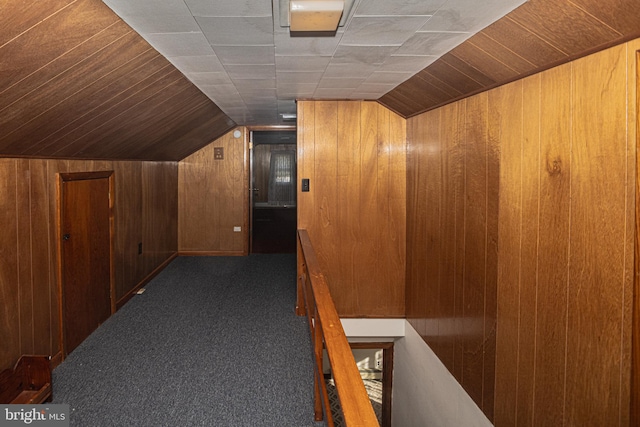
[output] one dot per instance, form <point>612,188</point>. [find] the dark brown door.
<point>85,230</point>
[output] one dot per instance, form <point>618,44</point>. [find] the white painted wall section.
<point>373,328</point>
<point>424,391</point>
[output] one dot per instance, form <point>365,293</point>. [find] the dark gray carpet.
<point>214,341</point>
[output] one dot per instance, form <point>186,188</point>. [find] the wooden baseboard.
<point>122,301</point>
<point>212,253</point>
<point>56,359</point>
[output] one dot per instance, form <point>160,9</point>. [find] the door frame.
<point>249,180</point>
<point>61,179</point>
<point>635,334</point>
<point>387,374</point>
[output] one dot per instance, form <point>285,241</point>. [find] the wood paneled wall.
<point>145,211</point>
<point>354,155</point>
<point>213,199</point>
<point>452,227</point>
<point>534,37</point>
<point>521,217</point>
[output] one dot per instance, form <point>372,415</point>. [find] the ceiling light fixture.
<point>315,15</point>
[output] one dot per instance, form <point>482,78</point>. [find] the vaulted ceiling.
<point>242,55</point>
<point>77,82</point>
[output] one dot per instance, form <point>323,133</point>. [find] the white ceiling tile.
<point>304,46</point>
<point>233,103</point>
<point>237,72</point>
<point>296,90</point>
<point>180,44</point>
<point>371,96</point>
<point>256,68</point>
<point>463,15</point>
<point>261,94</point>
<point>380,88</point>
<point>332,93</point>
<point>126,8</point>
<point>348,70</point>
<point>383,77</point>
<point>223,91</point>
<point>229,8</point>
<point>226,31</point>
<point>365,55</point>
<point>287,106</point>
<point>194,64</point>
<point>398,7</point>
<point>295,77</point>
<point>382,30</point>
<point>328,82</point>
<point>404,63</point>
<point>302,63</point>
<point>163,24</point>
<point>208,78</point>
<point>431,43</point>
<point>236,55</point>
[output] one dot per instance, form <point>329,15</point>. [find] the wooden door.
<point>85,217</point>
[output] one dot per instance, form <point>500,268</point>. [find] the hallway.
<point>211,341</point>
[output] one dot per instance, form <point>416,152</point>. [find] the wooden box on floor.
<point>29,382</point>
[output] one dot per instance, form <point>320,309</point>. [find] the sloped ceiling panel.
<point>77,82</point>
<point>538,35</point>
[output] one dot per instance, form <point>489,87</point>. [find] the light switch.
<point>305,184</point>
<point>218,153</point>
<point>237,229</point>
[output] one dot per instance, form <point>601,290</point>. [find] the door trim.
<point>61,179</point>
<point>387,374</point>
<point>635,334</point>
<point>249,166</point>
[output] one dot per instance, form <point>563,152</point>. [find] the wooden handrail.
<point>314,301</point>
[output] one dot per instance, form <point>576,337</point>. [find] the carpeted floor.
<point>214,341</point>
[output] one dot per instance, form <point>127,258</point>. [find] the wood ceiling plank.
<point>111,108</point>
<point>392,101</point>
<point>403,104</point>
<point>51,38</point>
<point>412,90</point>
<point>537,35</point>
<point>147,114</point>
<point>73,92</point>
<point>18,16</point>
<point>439,85</point>
<point>523,42</point>
<point>214,124</point>
<point>622,15</point>
<point>502,54</point>
<point>172,145</point>
<point>169,128</point>
<point>468,78</point>
<point>83,52</point>
<point>115,115</point>
<point>483,62</point>
<point>79,107</point>
<point>563,25</point>
<point>87,106</point>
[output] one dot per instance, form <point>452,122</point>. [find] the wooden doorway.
<point>85,263</point>
<point>375,363</point>
<point>635,335</point>
<point>273,218</point>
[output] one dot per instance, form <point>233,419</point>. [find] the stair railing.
<point>314,300</point>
